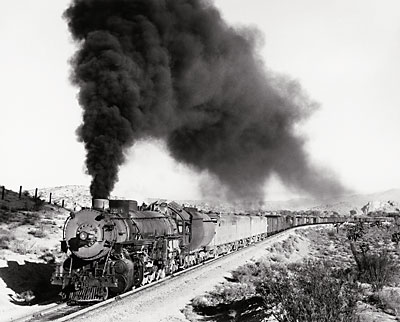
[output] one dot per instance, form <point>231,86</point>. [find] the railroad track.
<point>57,312</point>
<point>64,312</point>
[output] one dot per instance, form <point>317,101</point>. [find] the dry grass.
<point>389,301</point>
<point>30,233</point>
<point>19,218</point>
<point>284,248</point>
<point>6,237</point>
<point>38,232</point>
<point>21,247</point>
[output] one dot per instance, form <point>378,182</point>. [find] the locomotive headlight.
<point>83,235</point>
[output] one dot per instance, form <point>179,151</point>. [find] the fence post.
<point>20,192</point>
<point>36,193</point>
<point>62,204</point>
<point>50,198</point>
<point>3,192</point>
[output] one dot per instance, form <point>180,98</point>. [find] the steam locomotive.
<point>113,249</point>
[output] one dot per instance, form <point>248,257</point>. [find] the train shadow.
<point>30,281</point>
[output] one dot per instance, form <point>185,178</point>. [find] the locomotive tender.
<point>111,250</point>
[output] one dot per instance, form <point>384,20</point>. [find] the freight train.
<point>115,245</point>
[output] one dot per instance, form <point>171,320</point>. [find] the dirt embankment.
<point>30,233</point>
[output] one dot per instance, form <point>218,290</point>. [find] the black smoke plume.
<point>174,70</point>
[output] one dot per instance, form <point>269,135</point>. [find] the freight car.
<point>116,245</point>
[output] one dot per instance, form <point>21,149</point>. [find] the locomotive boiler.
<point>116,245</point>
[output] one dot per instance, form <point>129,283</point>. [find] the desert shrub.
<point>19,218</point>
<point>38,204</point>
<point>376,269</point>
<point>49,215</point>
<point>48,257</point>
<point>227,293</point>
<point>396,238</point>
<point>331,233</point>
<point>308,292</point>
<point>229,300</point>
<point>355,231</point>
<point>38,232</point>
<point>287,246</point>
<point>5,238</point>
<point>277,258</point>
<point>389,301</point>
<point>370,246</point>
<point>251,273</point>
<point>20,246</point>
<point>237,296</point>
<point>5,216</point>
<point>30,218</point>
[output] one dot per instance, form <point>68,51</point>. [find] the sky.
<point>345,54</point>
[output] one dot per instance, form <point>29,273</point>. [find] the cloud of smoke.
<point>174,70</point>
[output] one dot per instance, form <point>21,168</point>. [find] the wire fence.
<point>8,195</point>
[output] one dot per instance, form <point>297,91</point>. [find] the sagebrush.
<point>309,292</point>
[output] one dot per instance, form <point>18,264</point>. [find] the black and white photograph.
<point>200,160</point>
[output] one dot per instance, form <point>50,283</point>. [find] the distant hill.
<point>356,202</point>
<point>77,195</point>
<point>340,204</point>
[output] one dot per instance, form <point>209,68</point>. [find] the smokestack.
<point>99,204</point>
<point>174,70</point>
